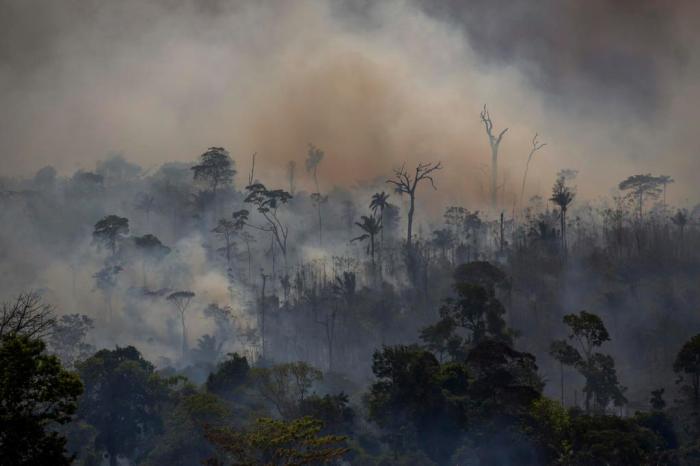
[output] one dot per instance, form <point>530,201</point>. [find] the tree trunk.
<point>184,333</point>
<point>494,176</point>
<point>561,370</point>
<point>411,210</point>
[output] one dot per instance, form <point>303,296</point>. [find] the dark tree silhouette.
<point>642,187</point>
<point>215,168</point>
<point>406,183</point>
<point>267,202</point>
<point>687,366</point>
<point>110,231</point>
<point>313,160</point>
<point>28,316</point>
<point>37,395</point>
<point>562,196</point>
<point>371,227</point>
<point>151,249</point>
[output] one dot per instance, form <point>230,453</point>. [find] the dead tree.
<point>536,145</point>
<point>405,183</point>
<point>494,142</point>
<point>28,316</point>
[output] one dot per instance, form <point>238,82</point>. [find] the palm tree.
<point>371,227</point>
<point>562,196</point>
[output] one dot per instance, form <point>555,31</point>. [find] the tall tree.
<point>181,300</point>
<point>267,202</point>
<point>313,160</point>
<point>37,395</point>
<point>588,332</point>
<point>406,183</point>
<point>536,145</point>
<point>379,202</point>
<point>110,231</point>
<point>151,250</point>
<point>371,227</point>
<point>494,143</point>
<point>562,196</point>
<point>215,169</point>
<point>642,187</point>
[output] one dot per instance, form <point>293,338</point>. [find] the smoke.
<point>372,84</point>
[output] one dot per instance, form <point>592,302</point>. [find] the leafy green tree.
<point>228,376</point>
<point>413,399</point>
<point>110,231</point>
<point>123,399</point>
<point>271,442</point>
<point>286,386</point>
<point>333,410</point>
<point>183,442</point>
<point>36,396</point>
<point>588,332</point>
<point>687,366</point>
<point>475,306</point>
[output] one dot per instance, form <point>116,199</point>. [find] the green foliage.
<point>36,396</point>
<point>228,376</point>
<point>285,386</point>
<point>687,366</point>
<point>588,332</point>
<point>409,403</point>
<point>123,399</point>
<point>182,442</point>
<point>271,442</point>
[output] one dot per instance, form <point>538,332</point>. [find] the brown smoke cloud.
<point>163,80</point>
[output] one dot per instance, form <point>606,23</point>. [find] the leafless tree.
<point>536,145</point>
<point>494,142</point>
<point>27,315</point>
<point>406,183</point>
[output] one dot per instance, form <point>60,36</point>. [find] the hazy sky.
<point>611,86</point>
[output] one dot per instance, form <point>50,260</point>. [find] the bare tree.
<point>494,142</point>
<point>406,183</point>
<point>536,145</point>
<point>181,300</point>
<point>28,316</point>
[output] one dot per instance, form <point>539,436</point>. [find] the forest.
<point>349,233</point>
<point>233,321</point>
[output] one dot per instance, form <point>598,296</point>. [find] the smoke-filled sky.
<point>611,86</point>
